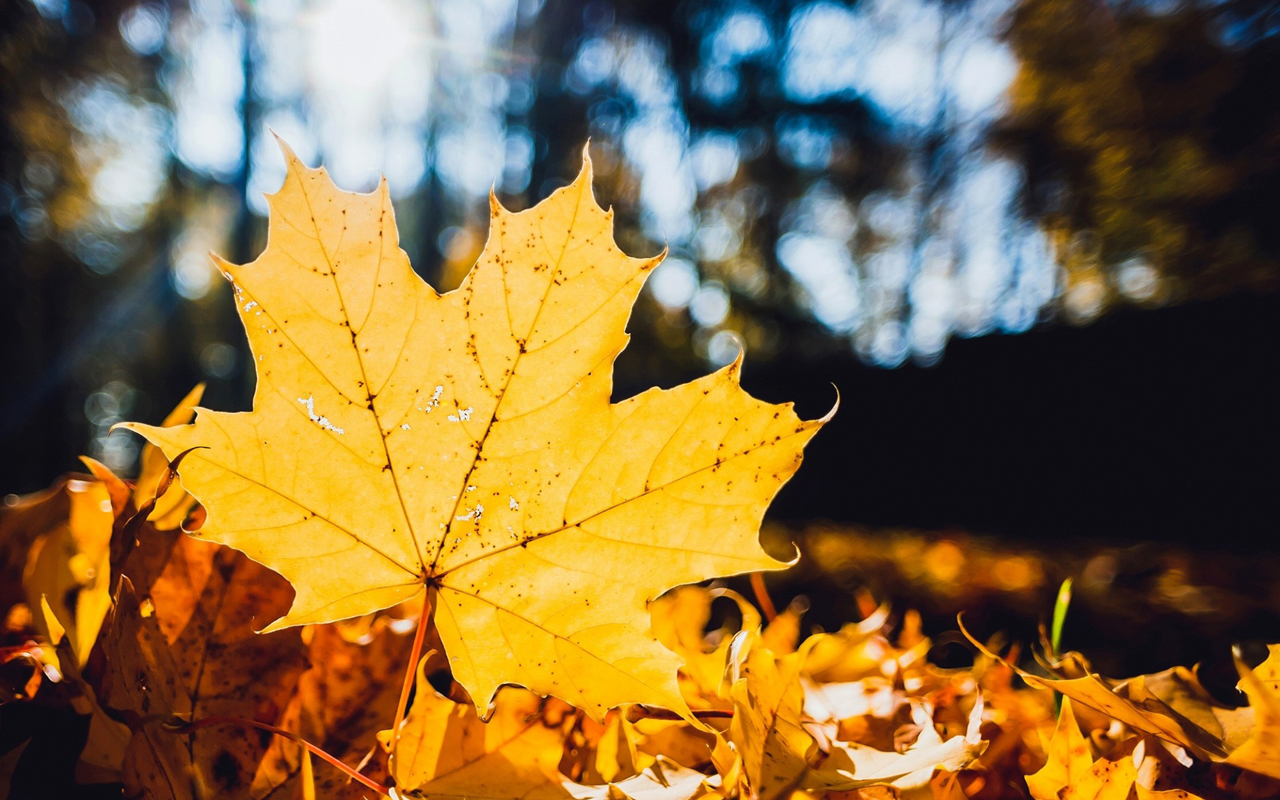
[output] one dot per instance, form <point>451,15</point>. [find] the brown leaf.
<point>344,698</point>
<point>195,660</point>
<point>21,523</point>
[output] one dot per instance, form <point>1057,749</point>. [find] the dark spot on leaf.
<point>226,771</point>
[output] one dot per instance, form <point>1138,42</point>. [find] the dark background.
<point>1145,426</point>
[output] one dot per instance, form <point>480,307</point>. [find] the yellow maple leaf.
<point>465,443</point>
<point>1068,757</point>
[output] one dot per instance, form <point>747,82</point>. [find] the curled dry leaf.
<point>783,750</point>
<point>1129,703</point>
<point>119,490</point>
<point>1179,688</point>
<point>852,766</point>
<point>173,507</point>
<point>465,444</point>
<point>678,619</point>
<point>1173,707</point>
<point>21,523</point>
<point>854,652</point>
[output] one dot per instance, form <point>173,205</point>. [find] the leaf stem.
<point>412,671</point>
<point>762,596</point>
<point>196,725</point>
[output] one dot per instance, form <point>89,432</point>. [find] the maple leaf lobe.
<point>467,443</point>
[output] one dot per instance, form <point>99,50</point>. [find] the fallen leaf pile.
<point>436,493</point>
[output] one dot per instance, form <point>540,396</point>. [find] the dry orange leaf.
<point>68,570</point>
<point>466,444</point>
